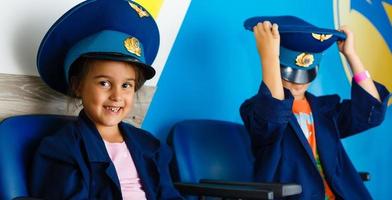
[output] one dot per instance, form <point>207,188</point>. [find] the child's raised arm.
<point>267,42</point>
<point>358,69</point>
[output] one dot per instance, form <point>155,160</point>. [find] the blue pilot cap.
<point>301,46</point>
<point>118,30</point>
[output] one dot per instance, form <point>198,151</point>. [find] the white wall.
<point>23,25</point>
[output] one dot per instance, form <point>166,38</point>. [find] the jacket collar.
<point>95,147</point>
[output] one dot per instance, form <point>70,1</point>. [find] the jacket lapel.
<point>298,131</point>
<point>301,136</point>
<point>144,152</point>
<point>95,148</point>
<point>326,142</point>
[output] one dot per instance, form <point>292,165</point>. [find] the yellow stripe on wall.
<point>378,60</point>
<point>153,6</point>
<point>388,10</point>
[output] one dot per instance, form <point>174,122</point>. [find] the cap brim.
<point>290,24</point>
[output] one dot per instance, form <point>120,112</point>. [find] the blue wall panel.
<point>213,67</point>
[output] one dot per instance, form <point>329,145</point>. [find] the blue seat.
<point>19,138</point>
<point>223,148</point>
<point>219,153</point>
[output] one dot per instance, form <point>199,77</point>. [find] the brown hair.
<point>80,68</point>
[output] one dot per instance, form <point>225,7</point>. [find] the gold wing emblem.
<point>142,13</point>
<point>133,46</point>
<point>321,37</point>
<point>304,60</point>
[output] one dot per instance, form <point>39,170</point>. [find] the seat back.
<point>19,138</point>
<point>210,149</point>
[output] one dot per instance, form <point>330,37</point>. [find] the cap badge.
<point>132,45</point>
<point>304,60</point>
<point>321,37</point>
<point>142,13</point>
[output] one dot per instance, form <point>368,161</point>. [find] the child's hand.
<point>267,40</point>
<point>347,46</point>
<point>356,65</point>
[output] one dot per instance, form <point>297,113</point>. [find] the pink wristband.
<point>358,77</point>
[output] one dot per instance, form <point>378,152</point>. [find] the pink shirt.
<point>131,188</point>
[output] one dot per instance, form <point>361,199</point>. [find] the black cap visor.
<point>298,76</point>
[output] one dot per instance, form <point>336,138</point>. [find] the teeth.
<point>113,109</point>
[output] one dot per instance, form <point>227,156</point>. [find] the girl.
<point>102,63</point>
<point>296,135</point>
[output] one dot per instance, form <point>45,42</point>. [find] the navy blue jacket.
<point>283,153</point>
<point>74,164</point>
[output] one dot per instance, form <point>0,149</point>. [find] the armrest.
<point>365,176</point>
<point>224,191</point>
<point>279,190</point>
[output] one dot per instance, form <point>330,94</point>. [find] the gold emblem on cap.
<point>321,37</point>
<point>142,13</point>
<point>304,60</point>
<point>133,46</point>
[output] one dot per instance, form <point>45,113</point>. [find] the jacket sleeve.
<point>362,111</point>
<point>166,190</point>
<point>266,117</point>
<point>54,173</point>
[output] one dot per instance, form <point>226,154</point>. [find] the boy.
<point>296,135</point>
